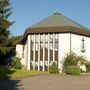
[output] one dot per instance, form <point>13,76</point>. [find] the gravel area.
<point>47,82</point>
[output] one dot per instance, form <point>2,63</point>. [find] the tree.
<point>12,43</point>
<point>5,12</point>
<point>14,39</point>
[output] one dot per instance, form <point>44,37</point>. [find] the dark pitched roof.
<point>57,20</point>
<point>57,23</point>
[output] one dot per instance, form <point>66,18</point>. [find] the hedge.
<point>88,67</point>
<point>53,68</point>
<point>73,70</point>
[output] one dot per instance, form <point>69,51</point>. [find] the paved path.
<point>48,82</point>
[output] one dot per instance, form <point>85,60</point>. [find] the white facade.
<point>40,50</point>
<point>50,40</point>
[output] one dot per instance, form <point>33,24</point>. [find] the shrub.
<point>70,60</point>
<point>82,60</point>
<point>4,68</point>
<point>88,67</point>
<point>54,68</point>
<point>73,70</point>
<point>17,63</point>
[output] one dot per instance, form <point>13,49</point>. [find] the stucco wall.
<point>24,59</point>
<point>66,40</point>
<point>64,48</point>
<point>19,49</point>
<point>76,41</point>
<point>76,44</point>
<point>19,53</point>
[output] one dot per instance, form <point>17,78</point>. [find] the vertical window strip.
<point>83,45</point>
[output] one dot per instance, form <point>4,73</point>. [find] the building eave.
<point>63,29</point>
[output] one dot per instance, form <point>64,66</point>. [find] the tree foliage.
<point>17,63</point>
<point>5,12</point>
<point>13,40</point>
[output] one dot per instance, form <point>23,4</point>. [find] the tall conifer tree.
<point>5,12</point>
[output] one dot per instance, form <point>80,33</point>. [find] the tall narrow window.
<point>23,51</point>
<point>46,41</point>
<point>56,44</point>
<point>41,45</point>
<point>83,45</point>
<point>32,39</point>
<point>37,42</point>
<point>51,41</point>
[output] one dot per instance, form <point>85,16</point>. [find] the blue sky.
<point>29,12</point>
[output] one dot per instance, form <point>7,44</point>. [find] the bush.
<point>4,68</point>
<point>73,70</point>
<point>17,64</point>
<point>54,68</point>
<point>70,60</point>
<point>88,67</point>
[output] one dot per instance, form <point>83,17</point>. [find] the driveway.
<point>48,82</point>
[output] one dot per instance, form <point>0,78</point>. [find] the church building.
<point>50,40</point>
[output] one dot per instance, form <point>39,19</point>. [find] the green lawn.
<point>18,73</point>
<point>21,73</point>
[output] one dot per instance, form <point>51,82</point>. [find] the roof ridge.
<point>57,12</point>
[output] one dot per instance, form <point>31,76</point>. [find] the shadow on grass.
<point>6,83</point>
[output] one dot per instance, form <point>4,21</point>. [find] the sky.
<point>28,12</point>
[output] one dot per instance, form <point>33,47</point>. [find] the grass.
<point>23,73</point>
<point>4,74</point>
